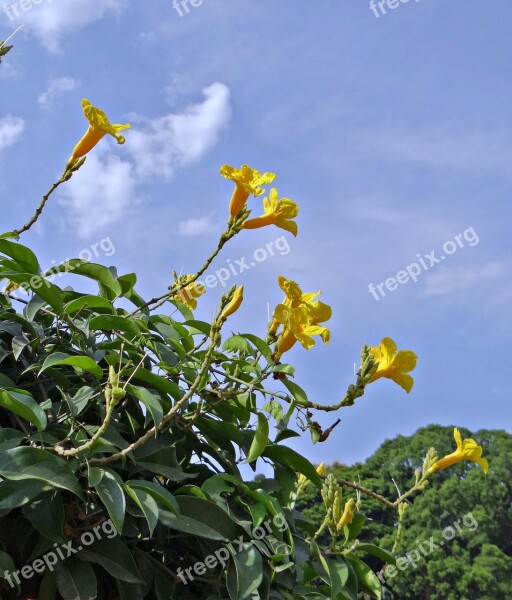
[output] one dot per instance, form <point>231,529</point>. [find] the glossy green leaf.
<point>158,492</point>
<point>114,322</point>
<point>25,258</point>
<point>200,517</point>
<point>368,580</point>
<point>78,362</point>
<point>245,573</point>
<point>76,579</point>
<point>147,505</point>
<point>17,493</point>
<point>376,551</point>
<point>297,392</point>
<point>151,401</point>
<point>260,440</point>
<point>33,463</point>
<point>22,404</point>
<point>111,493</point>
<point>287,456</point>
<point>114,556</point>
<point>91,270</point>
<point>47,515</point>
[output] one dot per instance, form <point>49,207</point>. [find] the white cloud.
<point>160,146</point>
<point>192,227</point>
<point>447,280</point>
<point>57,88</point>
<point>52,20</point>
<point>99,194</point>
<point>11,129</point>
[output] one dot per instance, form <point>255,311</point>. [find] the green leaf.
<point>10,438</point>
<point>287,456</point>
<point>151,401</point>
<point>368,581</point>
<point>260,440</point>
<point>111,493</point>
<point>156,381</point>
<point>33,463</point>
<point>262,346</point>
<point>245,573</point>
<point>297,392</point>
<point>17,493</point>
<point>376,551</point>
<point>198,327</point>
<point>35,304</point>
<point>114,322</point>
<point>22,404</point>
<point>76,580</point>
<point>94,271</point>
<point>237,343</point>
<point>47,516</point>
<point>158,492</point>
<point>115,557</point>
<point>79,362</point>
<point>355,526</point>
<point>147,505</point>
<point>87,302</point>
<point>26,259</point>
<point>338,573</point>
<point>201,518</point>
<point>80,400</point>
<point>50,293</point>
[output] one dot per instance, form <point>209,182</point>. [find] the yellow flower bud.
<point>234,303</point>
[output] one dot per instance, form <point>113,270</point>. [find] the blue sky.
<point>393,134</point>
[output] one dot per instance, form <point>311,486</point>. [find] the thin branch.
<point>68,173</point>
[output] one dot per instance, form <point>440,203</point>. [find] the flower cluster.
<point>299,315</point>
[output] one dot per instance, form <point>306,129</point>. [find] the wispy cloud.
<point>99,194</point>
<point>161,145</point>
<point>52,21</point>
<point>193,227</point>
<point>57,88</point>
<point>11,129</point>
<point>452,279</point>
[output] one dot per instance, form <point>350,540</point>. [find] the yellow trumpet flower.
<point>466,450</point>
<point>248,181</point>
<point>394,365</point>
<point>99,126</point>
<point>278,211</point>
<point>234,303</point>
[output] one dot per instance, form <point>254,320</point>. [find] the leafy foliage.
<point>477,563</point>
